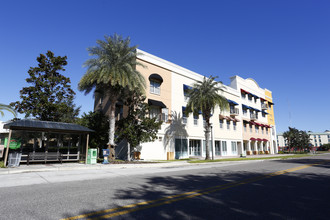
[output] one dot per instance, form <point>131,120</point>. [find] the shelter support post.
<point>87,148</point>
<point>7,149</point>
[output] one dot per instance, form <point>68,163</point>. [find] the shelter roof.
<point>48,126</point>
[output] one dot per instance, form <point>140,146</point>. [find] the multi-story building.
<point>247,128</point>
<point>317,139</point>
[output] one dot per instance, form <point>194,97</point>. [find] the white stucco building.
<point>317,139</point>
<point>247,128</point>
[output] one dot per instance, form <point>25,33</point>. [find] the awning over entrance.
<point>156,103</point>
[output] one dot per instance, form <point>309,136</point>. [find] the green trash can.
<point>92,156</point>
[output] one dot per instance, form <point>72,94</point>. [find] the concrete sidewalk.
<point>78,166</point>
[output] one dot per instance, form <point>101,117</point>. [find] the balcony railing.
<point>253,116</point>
<point>234,111</point>
<point>264,106</point>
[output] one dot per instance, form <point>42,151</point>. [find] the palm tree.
<point>205,96</point>
<point>112,70</point>
<point>7,108</point>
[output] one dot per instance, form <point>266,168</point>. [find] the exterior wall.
<point>254,140</point>
<point>190,132</point>
<point>165,87</point>
<point>317,139</point>
<point>270,116</point>
<point>184,139</point>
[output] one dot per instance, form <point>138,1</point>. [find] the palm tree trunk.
<point>112,123</point>
<point>207,138</point>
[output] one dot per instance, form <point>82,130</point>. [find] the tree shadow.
<point>224,195</point>
<point>177,129</point>
<point>320,162</point>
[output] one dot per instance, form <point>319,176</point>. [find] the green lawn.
<point>253,158</point>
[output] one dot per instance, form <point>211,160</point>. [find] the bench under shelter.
<point>69,141</point>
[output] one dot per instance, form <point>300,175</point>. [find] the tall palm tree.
<point>112,69</point>
<point>7,108</point>
<point>205,96</point>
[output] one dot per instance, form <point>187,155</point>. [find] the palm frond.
<point>6,108</point>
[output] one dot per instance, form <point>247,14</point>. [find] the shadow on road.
<point>297,195</point>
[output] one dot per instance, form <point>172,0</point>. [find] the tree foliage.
<point>137,127</point>
<point>205,96</point>
<point>297,139</point>
<point>112,70</point>
<point>50,97</point>
<point>98,122</point>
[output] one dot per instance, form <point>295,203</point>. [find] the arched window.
<point>155,82</point>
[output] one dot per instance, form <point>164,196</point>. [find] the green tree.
<point>296,138</point>
<point>6,108</point>
<point>112,70</point>
<point>304,140</point>
<point>98,122</point>
<point>205,96</point>
<point>50,97</point>
<point>326,146</point>
<point>137,127</point>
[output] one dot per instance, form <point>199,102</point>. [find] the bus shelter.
<point>71,140</point>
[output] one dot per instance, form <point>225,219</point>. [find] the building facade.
<point>317,139</point>
<point>247,128</point>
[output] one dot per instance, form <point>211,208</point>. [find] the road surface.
<point>270,189</point>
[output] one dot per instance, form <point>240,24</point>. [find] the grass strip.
<point>252,158</point>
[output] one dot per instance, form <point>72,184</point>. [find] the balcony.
<point>253,116</point>
<point>264,106</point>
<point>234,111</point>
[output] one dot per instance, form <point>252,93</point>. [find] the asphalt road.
<point>276,189</point>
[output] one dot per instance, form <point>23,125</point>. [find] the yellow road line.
<point>174,198</point>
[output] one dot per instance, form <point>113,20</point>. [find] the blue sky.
<point>283,45</point>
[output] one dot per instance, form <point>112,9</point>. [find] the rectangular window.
<point>244,111</point>
<point>217,148</point>
<point>244,125</point>
<point>186,96</point>
<point>250,97</point>
<point>224,147</point>
<point>256,128</point>
<point>243,95</point>
<point>234,125</point>
<point>165,114</point>
<point>266,130</point>
<point>154,87</point>
<point>228,124</point>
<point>234,147</point>
<point>262,130</point>
<point>196,120</point>
<point>195,147</point>
<point>221,123</point>
<point>250,128</point>
<point>154,112</point>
